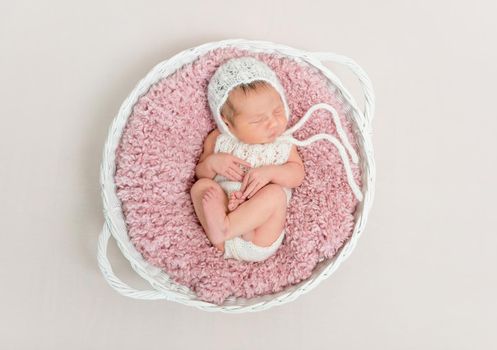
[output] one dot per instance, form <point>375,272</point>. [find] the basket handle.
<point>121,287</point>
<point>366,85</point>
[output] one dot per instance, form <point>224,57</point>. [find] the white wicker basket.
<point>163,286</point>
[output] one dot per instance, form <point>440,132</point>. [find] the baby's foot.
<point>215,215</point>
<point>235,200</point>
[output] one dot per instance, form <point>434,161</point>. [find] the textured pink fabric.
<point>156,158</point>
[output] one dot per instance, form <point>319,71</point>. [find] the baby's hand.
<point>228,165</point>
<point>255,179</point>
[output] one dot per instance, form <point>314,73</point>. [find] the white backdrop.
<point>424,272</point>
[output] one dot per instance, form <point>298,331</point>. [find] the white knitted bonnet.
<point>233,73</point>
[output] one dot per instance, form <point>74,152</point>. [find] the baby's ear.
<point>226,121</point>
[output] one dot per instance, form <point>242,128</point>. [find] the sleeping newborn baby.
<point>246,171</point>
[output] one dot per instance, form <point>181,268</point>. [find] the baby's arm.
<point>289,175</point>
<point>292,173</point>
<point>202,169</point>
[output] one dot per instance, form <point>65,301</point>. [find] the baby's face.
<point>259,115</point>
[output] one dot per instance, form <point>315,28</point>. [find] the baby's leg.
<point>197,192</point>
<point>267,233</point>
<point>263,208</point>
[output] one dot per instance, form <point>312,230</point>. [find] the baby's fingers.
<point>233,175</point>
<point>250,189</point>
<point>245,182</point>
<point>237,170</point>
<point>242,162</point>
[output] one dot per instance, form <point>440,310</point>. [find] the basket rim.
<point>158,279</point>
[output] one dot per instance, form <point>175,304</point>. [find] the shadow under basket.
<point>163,286</point>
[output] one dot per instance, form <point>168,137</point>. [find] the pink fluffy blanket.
<point>155,163</point>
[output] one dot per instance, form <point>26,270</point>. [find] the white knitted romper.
<point>275,153</point>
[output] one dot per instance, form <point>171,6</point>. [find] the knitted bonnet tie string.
<point>288,135</point>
